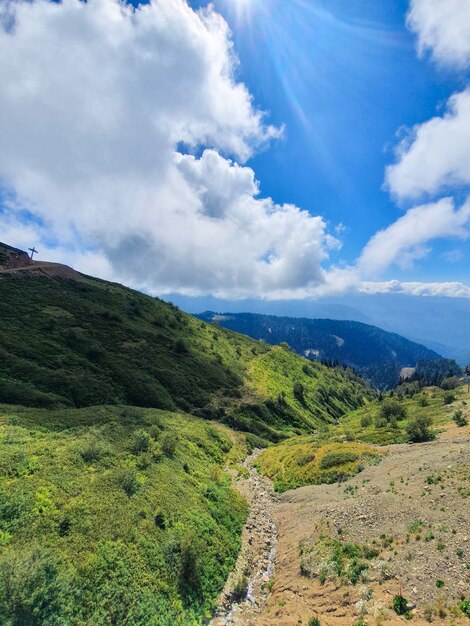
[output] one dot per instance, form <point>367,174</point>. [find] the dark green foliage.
<point>433,371</point>
<point>299,392</point>
<point>141,442</point>
<point>35,589</point>
<point>465,607</point>
<point>400,604</point>
<point>86,342</point>
<point>418,429</point>
<point>128,481</point>
<point>460,419</point>
<point>169,442</point>
<point>391,409</point>
<point>449,397</point>
<point>314,621</point>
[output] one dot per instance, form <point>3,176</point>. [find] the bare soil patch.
<point>413,508</point>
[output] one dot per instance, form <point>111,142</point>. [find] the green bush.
<point>460,419</point>
<point>400,604</point>
<point>314,621</point>
<point>93,450</point>
<point>332,459</point>
<point>240,590</point>
<point>169,443</point>
<point>141,442</point>
<point>391,410</point>
<point>418,429</point>
<point>129,481</point>
<point>450,383</point>
<point>465,607</point>
<point>449,397</point>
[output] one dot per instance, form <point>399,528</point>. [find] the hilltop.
<point>374,353</point>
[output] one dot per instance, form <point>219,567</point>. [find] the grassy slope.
<point>94,531</point>
<point>309,461</point>
<point>298,461</point>
<point>88,342</point>
<point>353,424</point>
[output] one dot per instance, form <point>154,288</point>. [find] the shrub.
<point>314,621</point>
<point>465,607</point>
<point>93,450</point>
<point>129,481</point>
<point>169,442</point>
<point>459,418</point>
<point>366,421</point>
<point>332,459</point>
<point>391,409</point>
<point>400,604</point>
<point>449,397</point>
<point>299,392</point>
<point>418,429</point>
<point>240,590</point>
<point>450,383</point>
<point>423,401</point>
<point>141,441</point>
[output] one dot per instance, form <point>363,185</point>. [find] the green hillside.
<point>81,342</point>
<point>114,516</point>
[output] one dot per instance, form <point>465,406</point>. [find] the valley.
<point>158,470</point>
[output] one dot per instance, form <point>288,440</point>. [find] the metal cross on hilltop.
<point>33,251</point>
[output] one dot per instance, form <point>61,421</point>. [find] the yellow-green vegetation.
<point>83,342</point>
<point>367,423</point>
<point>317,395</point>
<point>114,515</point>
<point>308,461</point>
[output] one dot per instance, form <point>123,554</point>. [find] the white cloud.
<point>442,26</point>
<point>436,155</point>
<point>96,100</point>
<point>406,239</point>
<point>448,290</point>
<point>100,104</point>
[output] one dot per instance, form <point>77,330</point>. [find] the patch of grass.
<point>320,462</point>
<point>335,559</point>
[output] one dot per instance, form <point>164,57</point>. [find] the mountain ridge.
<point>356,344</point>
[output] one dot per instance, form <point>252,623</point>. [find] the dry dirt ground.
<point>414,508</point>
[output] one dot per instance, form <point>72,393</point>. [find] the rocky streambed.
<point>247,589</point>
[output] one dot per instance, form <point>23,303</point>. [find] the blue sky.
<point>344,78</point>
<point>134,147</point>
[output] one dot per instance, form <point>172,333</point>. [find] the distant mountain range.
<point>376,354</point>
<point>442,324</point>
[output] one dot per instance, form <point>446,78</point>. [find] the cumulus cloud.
<point>406,239</point>
<point>103,108</point>
<point>443,27</point>
<point>127,134</point>
<point>436,154</point>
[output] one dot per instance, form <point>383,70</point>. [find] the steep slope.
<point>81,341</point>
<point>114,516</point>
<point>376,354</point>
